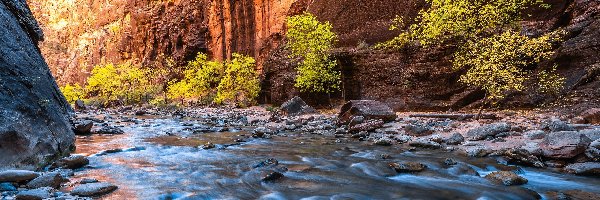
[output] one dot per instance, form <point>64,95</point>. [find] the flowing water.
<point>159,159</point>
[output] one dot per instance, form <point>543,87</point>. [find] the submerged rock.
<point>369,109</point>
<point>507,178</point>
<point>490,130</point>
<point>405,167</point>
<point>94,189</point>
<point>296,106</point>
<point>271,176</point>
<point>587,169</point>
<point>17,175</point>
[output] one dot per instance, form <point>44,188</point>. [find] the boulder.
<point>34,126</point>
<point>53,180</point>
<point>79,105</point>
<point>271,176</point>
<point>507,178</point>
<point>591,116</point>
<point>108,130</point>
<point>17,175</point>
<point>383,142</point>
<point>7,187</point>
<point>83,127</point>
<point>35,194</point>
<point>587,169</point>
<point>593,151</point>
<point>296,106</point>
<point>94,189</point>
<point>521,157</point>
<point>564,145</point>
<point>407,167</point>
<point>71,162</point>
<point>556,125</point>
<point>535,134</point>
<point>369,109</point>
<point>489,130</point>
<point>418,129</point>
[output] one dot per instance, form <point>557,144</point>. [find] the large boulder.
<point>507,178</point>
<point>34,127</point>
<point>368,109</point>
<point>296,106</point>
<point>564,145</point>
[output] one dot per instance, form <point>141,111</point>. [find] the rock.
<point>418,130</point>
<point>88,180</point>
<point>271,176</point>
<point>407,167</point>
<point>17,175</point>
<point>535,134</point>
<point>35,194</point>
<point>455,139</point>
<point>296,106</point>
<point>425,143</point>
<point>208,145</point>
<point>369,125</point>
<point>356,120</point>
<point>140,113</point>
<point>507,178</point>
<point>94,189</point>
<point>79,105</point>
<point>462,169</point>
<point>71,162</point>
<point>490,130</point>
<point>385,156</point>
<point>53,180</point>
<point>572,195</point>
<point>587,169</point>
<point>7,187</point>
<point>591,116</point>
<point>593,151</point>
<point>402,138</point>
<point>478,152</point>
<point>108,130</point>
<point>266,163</point>
<point>556,125</point>
<point>260,132</point>
<point>564,145</point>
<point>83,127</point>
<point>521,157</point>
<point>450,161</point>
<point>369,109</point>
<point>34,126</point>
<point>383,141</point>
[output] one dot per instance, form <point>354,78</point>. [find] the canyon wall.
<point>34,126</point>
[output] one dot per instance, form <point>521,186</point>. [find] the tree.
<point>201,78</point>
<point>312,40</point>
<point>240,84</point>
<point>490,46</point>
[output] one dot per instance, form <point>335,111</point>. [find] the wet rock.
<point>383,142</point>
<point>478,152</point>
<point>593,151</point>
<point>35,194</point>
<point>208,145</point>
<point>462,169</point>
<point>271,176</point>
<point>53,180</point>
<point>418,129</point>
<point>407,167</point>
<point>591,116</point>
<point>7,187</point>
<point>108,130</point>
<point>140,113</point>
<point>266,163</point>
<point>88,180</point>
<point>362,134</point>
<point>572,195</point>
<point>556,125</point>
<point>402,138</point>
<point>587,169</point>
<point>369,125</point>
<point>17,175</point>
<point>83,127</point>
<point>296,106</point>
<point>535,134</point>
<point>507,178</point>
<point>450,161</point>
<point>94,189</point>
<point>521,157</point>
<point>490,130</point>
<point>564,145</point>
<point>65,173</point>
<point>425,143</point>
<point>369,109</point>
<point>455,139</point>
<point>385,156</point>
<point>71,162</point>
<point>260,132</point>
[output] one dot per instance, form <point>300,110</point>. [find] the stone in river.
<point>507,178</point>
<point>17,175</point>
<point>94,189</point>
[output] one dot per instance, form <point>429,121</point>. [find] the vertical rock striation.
<point>34,127</point>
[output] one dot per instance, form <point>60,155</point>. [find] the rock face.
<point>33,116</point>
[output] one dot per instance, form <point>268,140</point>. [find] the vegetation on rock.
<point>312,40</point>
<point>490,46</point>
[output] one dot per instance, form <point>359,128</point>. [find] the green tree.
<point>73,92</point>
<point>120,84</point>
<point>312,40</point>
<point>490,46</point>
<point>201,79</point>
<point>240,84</point>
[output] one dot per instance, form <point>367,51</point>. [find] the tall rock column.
<point>34,127</point>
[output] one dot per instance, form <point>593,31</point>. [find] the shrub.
<point>490,47</point>
<point>73,92</point>
<point>312,40</point>
<point>121,84</point>
<point>201,78</point>
<point>240,84</point>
